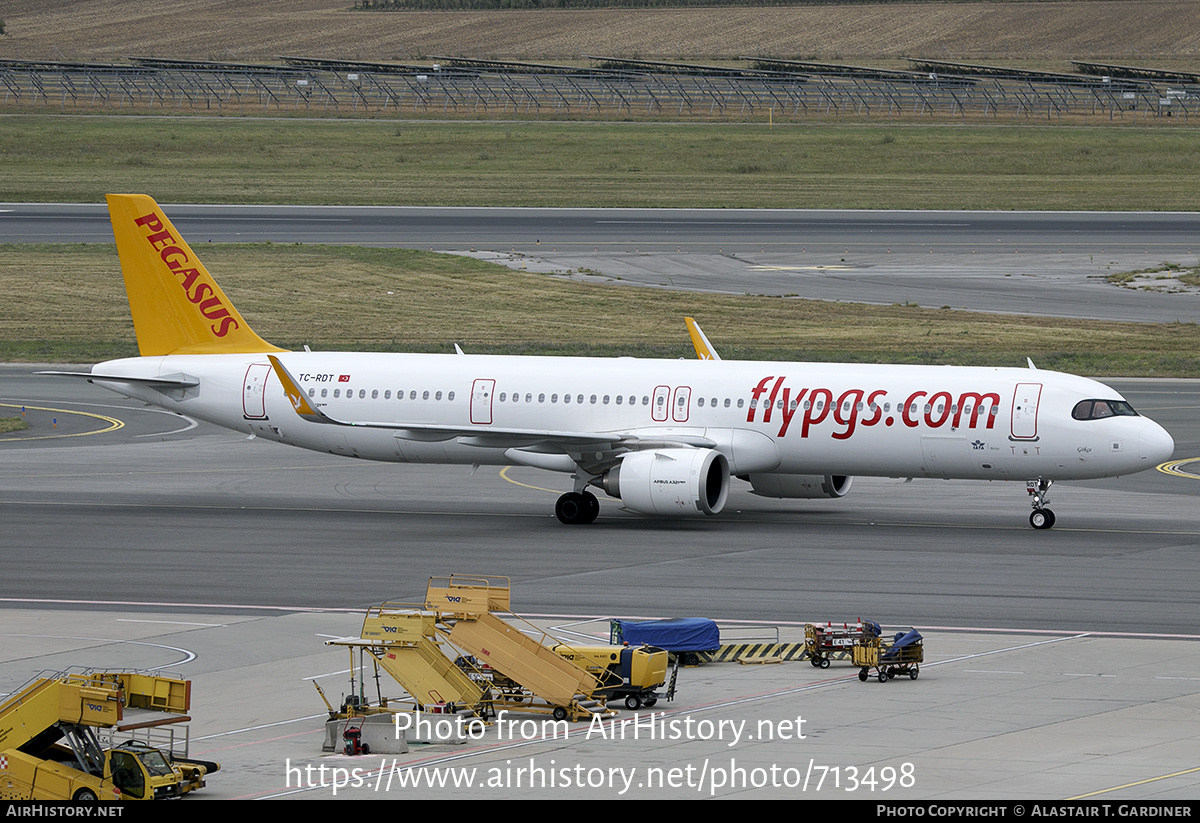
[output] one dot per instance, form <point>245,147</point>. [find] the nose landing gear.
<point>1041,517</point>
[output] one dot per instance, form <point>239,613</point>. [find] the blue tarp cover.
<point>902,641</point>
<point>685,634</point>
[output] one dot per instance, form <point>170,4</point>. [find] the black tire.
<point>650,701</point>
<point>1041,519</point>
<point>574,509</point>
<point>560,713</point>
<point>862,675</point>
<point>568,508</point>
<point>633,702</point>
<point>883,676</point>
<point>591,507</point>
<point>816,662</point>
<point>824,662</point>
<point>85,796</point>
<point>912,674</point>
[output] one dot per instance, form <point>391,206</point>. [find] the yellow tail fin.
<point>176,305</point>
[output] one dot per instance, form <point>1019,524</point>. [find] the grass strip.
<point>12,424</point>
<point>73,309</point>
<point>399,162</point>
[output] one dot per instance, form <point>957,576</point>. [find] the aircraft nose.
<point>1156,444</point>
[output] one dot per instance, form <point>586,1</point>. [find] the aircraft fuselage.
<point>779,418</point>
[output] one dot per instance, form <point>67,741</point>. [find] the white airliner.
<point>666,437</point>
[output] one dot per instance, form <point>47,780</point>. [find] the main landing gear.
<point>577,508</point>
<point>1039,490</point>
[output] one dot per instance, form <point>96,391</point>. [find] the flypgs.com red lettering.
<point>938,410</point>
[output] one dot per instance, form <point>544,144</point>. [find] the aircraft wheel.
<point>591,507</point>
<point>1041,518</point>
<point>633,702</point>
<point>572,509</point>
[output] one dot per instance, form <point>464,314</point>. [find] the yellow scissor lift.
<point>500,666</point>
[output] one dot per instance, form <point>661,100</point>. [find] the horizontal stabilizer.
<point>178,381</point>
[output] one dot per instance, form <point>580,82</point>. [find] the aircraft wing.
<point>492,437</point>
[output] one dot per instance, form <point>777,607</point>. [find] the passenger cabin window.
<point>1100,409</point>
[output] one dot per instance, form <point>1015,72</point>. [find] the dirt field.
<point>1134,32</point>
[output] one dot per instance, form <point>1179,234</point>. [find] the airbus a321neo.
<point>666,437</point>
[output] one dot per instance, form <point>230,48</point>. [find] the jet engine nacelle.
<point>800,485</point>
<point>679,482</point>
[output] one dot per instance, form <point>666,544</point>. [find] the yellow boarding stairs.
<point>71,707</point>
<point>452,652</point>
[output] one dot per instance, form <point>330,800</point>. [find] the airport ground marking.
<point>188,655</point>
<point>1175,468</point>
<point>1135,783</point>
<point>113,423</point>
<point>504,475</point>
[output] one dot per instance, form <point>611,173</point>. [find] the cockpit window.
<point>1099,409</point>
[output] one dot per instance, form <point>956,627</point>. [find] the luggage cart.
<point>903,655</point>
<point>825,643</point>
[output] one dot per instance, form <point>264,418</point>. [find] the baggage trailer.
<point>825,643</point>
<point>904,655</point>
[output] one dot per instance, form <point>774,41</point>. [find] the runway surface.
<point>1039,263</point>
<point>1061,663</point>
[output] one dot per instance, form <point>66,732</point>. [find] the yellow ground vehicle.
<point>50,748</point>
<point>630,672</point>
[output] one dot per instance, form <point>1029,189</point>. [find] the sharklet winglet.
<point>296,395</point>
<point>704,349</point>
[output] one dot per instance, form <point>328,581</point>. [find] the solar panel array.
<point>610,88</point>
